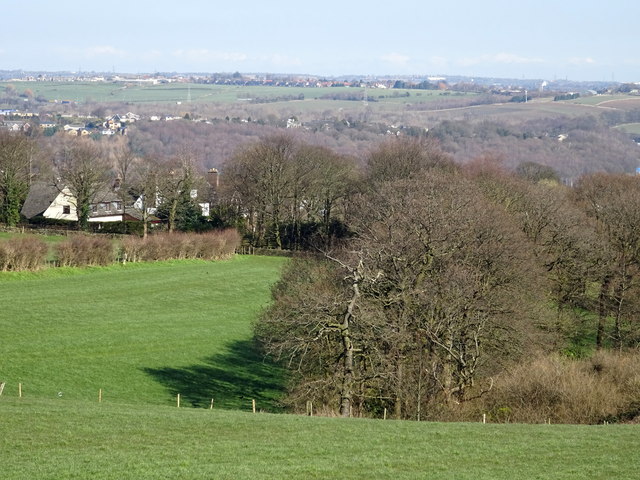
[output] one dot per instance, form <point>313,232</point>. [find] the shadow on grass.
<point>232,379</point>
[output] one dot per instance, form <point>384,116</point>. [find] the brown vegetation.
<point>84,251</point>
<point>22,254</point>
<point>603,388</point>
<point>215,245</point>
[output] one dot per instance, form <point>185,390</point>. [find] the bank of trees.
<point>449,277</point>
<point>16,152</point>
<point>289,192</point>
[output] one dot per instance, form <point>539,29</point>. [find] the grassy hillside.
<point>140,332</point>
<point>64,439</point>
<point>182,92</point>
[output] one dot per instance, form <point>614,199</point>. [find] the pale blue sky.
<point>579,40</point>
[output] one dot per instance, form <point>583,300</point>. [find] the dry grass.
<point>604,388</point>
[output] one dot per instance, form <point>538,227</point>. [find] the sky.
<point>562,39</point>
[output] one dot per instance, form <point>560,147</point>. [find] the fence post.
<point>178,399</point>
<point>253,405</point>
<point>100,396</point>
<point>2,384</point>
<point>20,390</point>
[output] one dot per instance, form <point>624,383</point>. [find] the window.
<point>66,209</point>
<point>117,206</point>
<point>106,207</point>
<point>94,208</point>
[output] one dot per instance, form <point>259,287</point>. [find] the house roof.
<point>39,198</point>
<point>42,194</point>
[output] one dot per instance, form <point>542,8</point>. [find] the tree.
<point>177,184</point>
<point>536,172</point>
<point>613,201</point>
<point>564,242</point>
<point>435,289</point>
<point>142,181</point>
<point>82,168</point>
<point>282,185</point>
<point>15,175</point>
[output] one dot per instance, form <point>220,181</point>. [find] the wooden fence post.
<point>100,396</point>
<point>178,399</point>
<point>253,405</point>
<point>211,406</point>
<point>20,390</point>
<point>2,384</point>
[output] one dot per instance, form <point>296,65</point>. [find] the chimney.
<point>213,178</point>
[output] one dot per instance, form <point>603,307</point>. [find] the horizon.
<point>354,76</point>
<point>576,40</point>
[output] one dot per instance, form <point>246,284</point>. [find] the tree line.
<point>443,277</point>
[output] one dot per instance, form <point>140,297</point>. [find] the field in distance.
<point>142,333</point>
<point>83,92</point>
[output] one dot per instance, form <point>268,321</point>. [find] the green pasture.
<point>82,92</point>
<point>599,100</point>
<point>633,128</point>
<point>142,333</point>
<point>59,438</point>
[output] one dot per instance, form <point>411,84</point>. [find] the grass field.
<point>64,439</point>
<point>145,332</point>
<point>83,92</point>
<point>141,332</point>
<point>633,128</point>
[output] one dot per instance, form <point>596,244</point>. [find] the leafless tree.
<point>81,167</point>
<point>16,152</point>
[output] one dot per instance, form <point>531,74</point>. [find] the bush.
<point>81,250</point>
<point>605,387</point>
<point>22,253</point>
<point>213,245</point>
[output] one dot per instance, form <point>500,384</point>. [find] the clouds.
<point>203,55</point>
<point>420,38</point>
<point>580,61</point>
<point>396,59</point>
<point>499,59</point>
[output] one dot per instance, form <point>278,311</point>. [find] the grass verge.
<point>55,439</point>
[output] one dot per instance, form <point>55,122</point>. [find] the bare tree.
<point>435,288</point>
<point>612,201</point>
<point>82,168</point>
<point>16,152</point>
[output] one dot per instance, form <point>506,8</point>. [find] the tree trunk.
<point>397,403</point>
<point>602,311</point>
<point>346,395</point>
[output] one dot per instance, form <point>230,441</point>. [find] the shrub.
<point>605,387</point>
<point>22,253</point>
<point>80,251</point>
<point>213,245</point>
